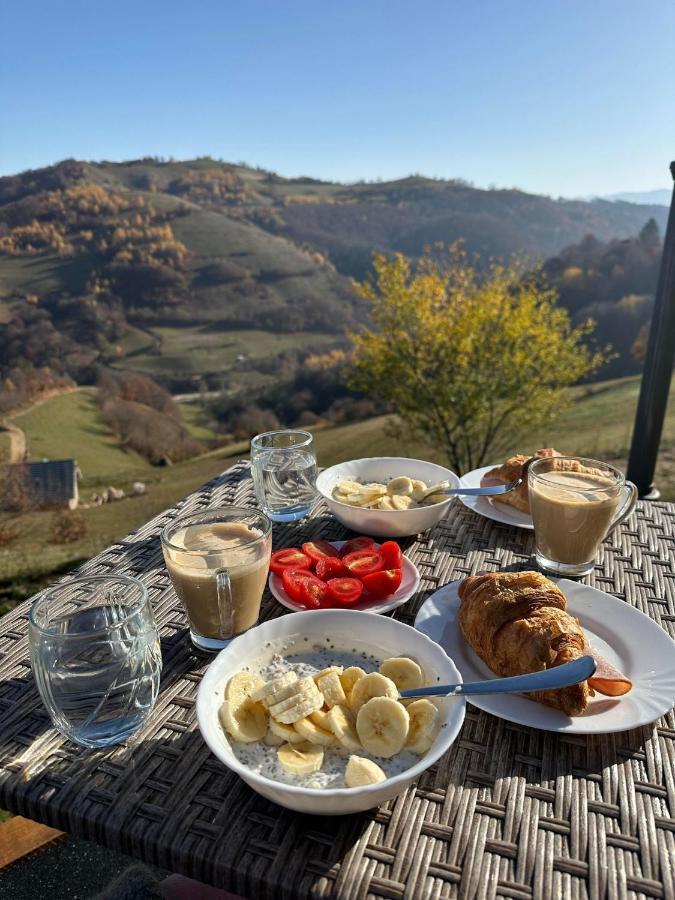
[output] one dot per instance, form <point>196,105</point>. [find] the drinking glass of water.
<point>284,470</point>
<point>95,654</point>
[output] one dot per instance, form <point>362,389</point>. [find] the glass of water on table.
<point>96,658</point>
<point>283,464</point>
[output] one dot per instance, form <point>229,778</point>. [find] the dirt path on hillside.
<point>17,443</point>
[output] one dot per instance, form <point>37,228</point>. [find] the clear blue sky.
<point>567,97</point>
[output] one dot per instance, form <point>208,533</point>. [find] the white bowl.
<point>384,522</point>
<point>376,634</point>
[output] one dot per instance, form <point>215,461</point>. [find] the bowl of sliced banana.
<point>385,495</point>
<point>306,709</point>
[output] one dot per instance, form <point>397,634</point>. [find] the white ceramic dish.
<point>499,512</point>
<point>382,522</point>
<point>348,629</point>
<point>633,642</point>
<point>409,584</point>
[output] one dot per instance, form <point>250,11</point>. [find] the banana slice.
<point>434,498</point>
<point>338,669</point>
<point>349,678</point>
<point>321,718</point>
<point>301,710</point>
<point>404,672</point>
<point>331,688</point>
<point>419,489</point>
<point>272,739</point>
<point>275,684</point>
<point>285,733</point>
<point>361,771</point>
<point>245,721</point>
<point>342,727</point>
<point>303,688</point>
<point>425,722</point>
<point>382,726</point>
<point>284,693</point>
<point>242,685</point>
<point>372,685</point>
<point>310,732</point>
<point>385,503</point>
<point>401,486</point>
<point>300,759</point>
<point>349,487</point>
<point>400,501</point>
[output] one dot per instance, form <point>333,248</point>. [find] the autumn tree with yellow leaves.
<point>467,359</point>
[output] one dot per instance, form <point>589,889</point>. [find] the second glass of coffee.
<point>575,503</point>
<point>218,561</point>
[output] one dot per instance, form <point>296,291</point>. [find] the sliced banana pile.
<point>347,709</point>
<point>400,493</point>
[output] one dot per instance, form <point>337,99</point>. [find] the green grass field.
<point>210,348</point>
<point>70,425</point>
<point>598,423</point>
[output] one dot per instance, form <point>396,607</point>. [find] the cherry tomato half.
<point>363,562</point>
<point>391,555</point>
<point>379,585</point>
<point>344,591</point>
<point>314,593</point>
<point>317,550</point>
<point>292,580</point>
<point>289,557</point>
<point>330,567</point>
<point>357,543</point>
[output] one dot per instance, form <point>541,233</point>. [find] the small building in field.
<point>40,485</point>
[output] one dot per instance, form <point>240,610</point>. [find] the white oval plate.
<point>629,639</point>
<point>500,512</point>
<point>409,584</point>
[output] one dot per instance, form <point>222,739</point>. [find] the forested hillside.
<point>204,274</point>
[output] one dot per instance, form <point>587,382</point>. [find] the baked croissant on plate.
<point>517,622</point>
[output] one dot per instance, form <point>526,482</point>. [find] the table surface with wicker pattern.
<point>509,811</point>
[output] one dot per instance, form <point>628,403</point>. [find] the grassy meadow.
<point>599,423</point>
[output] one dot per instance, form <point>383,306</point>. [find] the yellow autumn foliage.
<point>467,359</point>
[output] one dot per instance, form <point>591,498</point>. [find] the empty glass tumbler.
<point>96,658</point>
<point>283,464</point>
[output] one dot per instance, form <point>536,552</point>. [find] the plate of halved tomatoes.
<point>354,574</point>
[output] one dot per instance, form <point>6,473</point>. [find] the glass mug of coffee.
<point>575,502</point>
<point>218,561</point>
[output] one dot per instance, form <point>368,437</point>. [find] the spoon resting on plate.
<point>547,680</point>
<point>491,491</point>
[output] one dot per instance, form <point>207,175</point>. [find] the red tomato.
<point>391,555</point>
<point>292,580</point>
<point>330,567</point>
<point>382,584</point>
<point>313,593</point>
<point>317,550</point>
<point>289,557</point>
<point>363,562</point>
<point>344,591</point>
<point>357,543</point>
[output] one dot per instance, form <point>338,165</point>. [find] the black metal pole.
<point>658,370</point>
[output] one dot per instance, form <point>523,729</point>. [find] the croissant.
<point>515,467</point>
<point>517,622</point>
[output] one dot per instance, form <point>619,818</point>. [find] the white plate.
<point>409,584</point>
<point>630,640</point>
<point>500,512</point>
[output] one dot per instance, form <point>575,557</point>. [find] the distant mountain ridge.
<point>661,196</point>
<point>98,260</point>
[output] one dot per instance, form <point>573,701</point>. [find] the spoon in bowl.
<point>547,680</point>
<point>491,491</point>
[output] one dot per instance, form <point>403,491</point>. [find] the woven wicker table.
<point>508,812</point>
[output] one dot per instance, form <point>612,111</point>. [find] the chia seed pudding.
<point>290,655</point>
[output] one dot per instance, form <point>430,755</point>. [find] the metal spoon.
<point>491,491</point>
<point>549,679</point>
